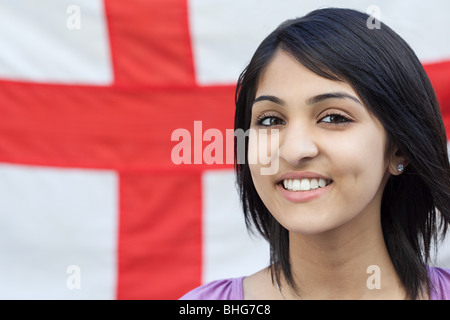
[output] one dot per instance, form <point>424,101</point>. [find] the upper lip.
<point>302,175</point>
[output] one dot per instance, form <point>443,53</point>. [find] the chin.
<point>312,222</point>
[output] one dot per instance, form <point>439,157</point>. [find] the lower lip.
<point>303,196</point>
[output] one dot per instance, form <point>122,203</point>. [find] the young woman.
<point>362,185</point>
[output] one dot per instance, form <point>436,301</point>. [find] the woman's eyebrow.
<point>332,95</point>
<point>313,100</point>
<point>269,98</point>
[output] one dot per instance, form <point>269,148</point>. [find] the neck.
<point>345,263</point>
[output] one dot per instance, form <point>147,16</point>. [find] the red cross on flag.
<point>91,204</point>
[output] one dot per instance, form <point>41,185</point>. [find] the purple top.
<point>231,289</point>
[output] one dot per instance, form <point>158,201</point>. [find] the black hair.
<point>389,78</point>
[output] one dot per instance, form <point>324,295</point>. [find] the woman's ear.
<point>397,162</point>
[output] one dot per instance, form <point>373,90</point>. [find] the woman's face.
<point>328,149</point>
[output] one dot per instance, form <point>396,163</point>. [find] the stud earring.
<point>400,167</point>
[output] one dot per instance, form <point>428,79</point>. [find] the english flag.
<point>92,96</point>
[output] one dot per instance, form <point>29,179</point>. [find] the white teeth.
<point>290,184</point>
<point>314,184</point>
<point>304,184</point>
<point>322,183</point>
<point>296,185</point>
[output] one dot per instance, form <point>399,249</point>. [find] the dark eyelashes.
<point>334,118</point>
<point>265,116</point>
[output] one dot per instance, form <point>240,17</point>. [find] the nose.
<point>297,144</point>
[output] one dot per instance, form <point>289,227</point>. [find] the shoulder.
<point>440,283</point>
<point>226,289</point>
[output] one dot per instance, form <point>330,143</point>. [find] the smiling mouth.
<point>304,184</point>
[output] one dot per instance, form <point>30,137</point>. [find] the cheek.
<point>262,163</point>
<point>254,162</point>
<point>262,184</point>
<point>263,151</point>
<point>360,159</point>
<point>252,152</point>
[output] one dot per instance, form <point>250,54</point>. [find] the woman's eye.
<point>270,121</point>
<point>335,119</point>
